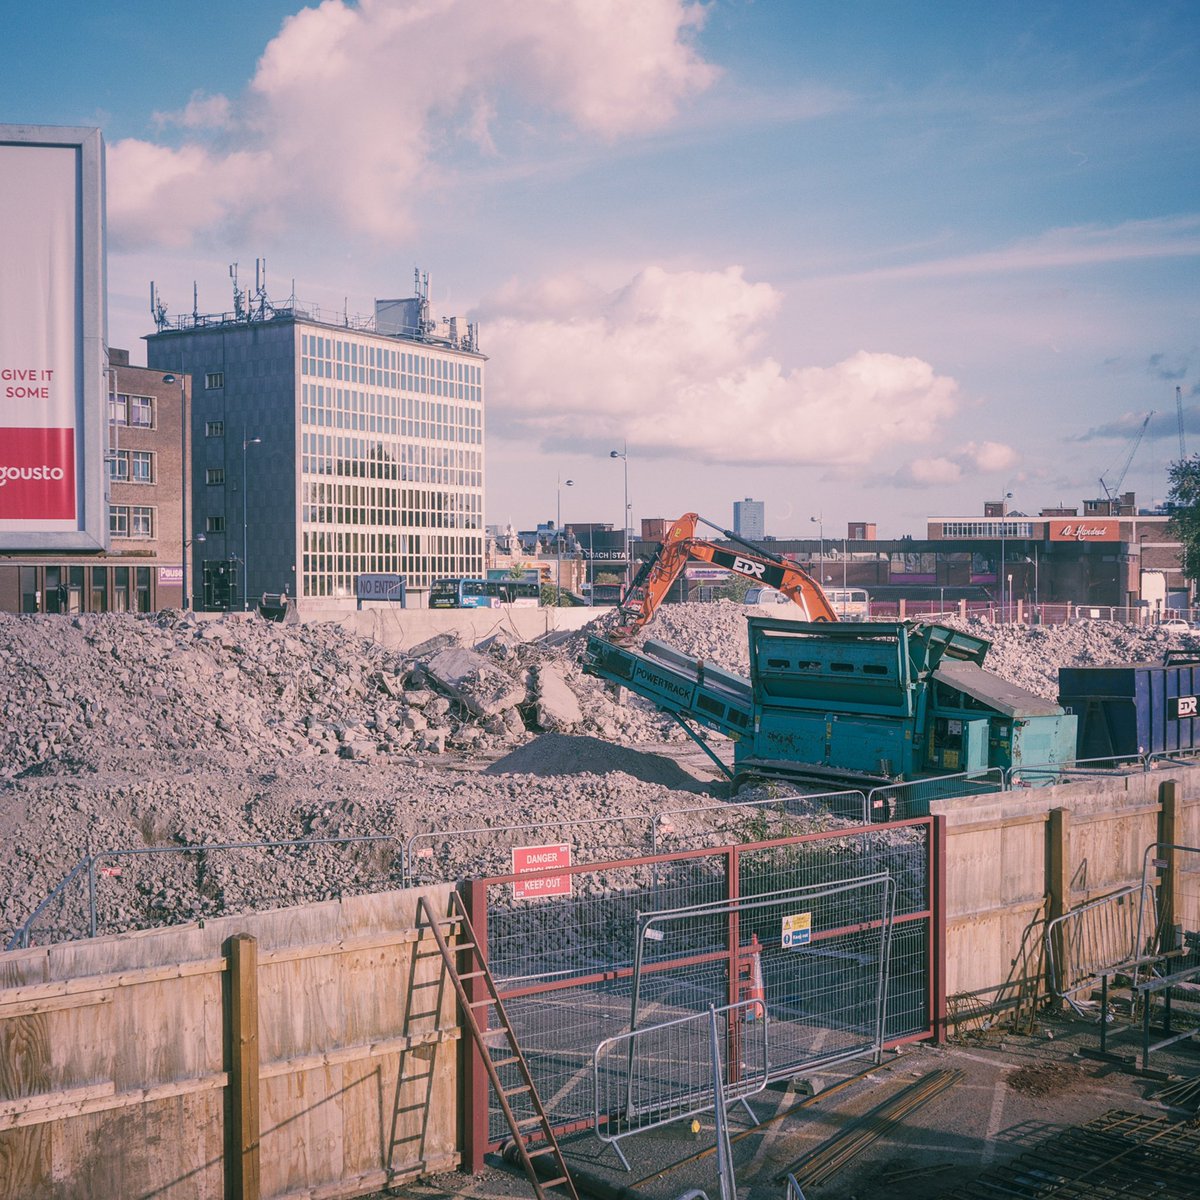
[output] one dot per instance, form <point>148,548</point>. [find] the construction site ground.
<point>1016,1090</point>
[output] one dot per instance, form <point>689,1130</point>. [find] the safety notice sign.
<point>797,930</point>
<point>541,858</point>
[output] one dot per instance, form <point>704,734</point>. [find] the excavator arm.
<point>656,576</point>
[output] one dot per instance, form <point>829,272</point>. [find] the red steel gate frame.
<point>475,1133</point>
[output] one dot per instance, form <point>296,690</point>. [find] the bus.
<point>484,593</point>
<point>850,604</point>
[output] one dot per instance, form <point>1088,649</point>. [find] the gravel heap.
<point>133,732</point>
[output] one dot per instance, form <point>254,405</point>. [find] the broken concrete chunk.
<point>473,681</point>
<point>557,707</point>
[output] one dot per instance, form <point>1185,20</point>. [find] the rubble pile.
<point>136,732</point>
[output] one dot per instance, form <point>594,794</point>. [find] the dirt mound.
<point>555,754</point>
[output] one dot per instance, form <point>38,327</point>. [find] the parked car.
<point>1174,625</point>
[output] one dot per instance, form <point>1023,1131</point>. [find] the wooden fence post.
<point>1170,833</point>
<point>1058,872</point>
<point>242,1177</point>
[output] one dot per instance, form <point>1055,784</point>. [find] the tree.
<point>1184,525</point>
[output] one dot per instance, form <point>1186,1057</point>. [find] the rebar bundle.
<point>816,1166</point>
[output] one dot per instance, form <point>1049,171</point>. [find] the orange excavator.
<point>654,579</point>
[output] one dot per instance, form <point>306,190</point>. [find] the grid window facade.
<point>391,461</point>
<point>118,467</point>
<point>214,379</point>
<point>214,524</point>
<point>118,520</point>
<point>214,429</point>
<point>214,475</point>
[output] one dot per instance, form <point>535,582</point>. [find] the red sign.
<point>1085,531</point>
<point>540,858</point>
<point>37,474</point>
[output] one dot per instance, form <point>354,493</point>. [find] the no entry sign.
<point>541,858</point>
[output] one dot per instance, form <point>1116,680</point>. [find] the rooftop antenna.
<point>239,297</point>
<point>158,310</point>
<point>195,302</point>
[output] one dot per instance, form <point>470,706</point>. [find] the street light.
<point>819,522</point>
<point>1003,535</point>
<point>246,442</point>
<point>558,535</point>
<point>184,422</point>
<point>623,455</point>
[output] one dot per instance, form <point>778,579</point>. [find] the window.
<point>141,411</point>
<point>118,520</point>
<point>214,475</point>
<point>214,524</point>
<point>214,379</point>
<point>118,410</point>
<point>118,467</point>
<point>214,428</point>
<point>141,521</point>
<point>141,464</point>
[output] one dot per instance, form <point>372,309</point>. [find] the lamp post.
<point>558,536</point>
<point>819,522</point>
<point>246,443</point>
<point>623,455</point>
<point>184,422</point>
<point>1003,535</point>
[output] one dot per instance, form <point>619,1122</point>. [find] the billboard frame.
<point>91,349</point>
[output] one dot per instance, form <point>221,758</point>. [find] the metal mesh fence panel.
<point>1098,938</point>
<point>752,820</point>
<point>816,957</point>
<point>440,855</point>
<point>564,965</point>
<point>900,801</point>
<point>563,968</point>
<point>665,1072</point>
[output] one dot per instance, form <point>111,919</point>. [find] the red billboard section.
<point>1085,531</point>
<point>37,474</point>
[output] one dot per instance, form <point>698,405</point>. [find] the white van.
<point>765,595</point>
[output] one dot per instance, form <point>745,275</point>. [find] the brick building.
<point>143,569</point>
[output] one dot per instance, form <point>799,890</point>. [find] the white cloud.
<point>964,461</point>
<point>355,109</point>
<point>202,112</point>
<point>673,361</point>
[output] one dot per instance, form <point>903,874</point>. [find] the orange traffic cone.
<point>753,987</point>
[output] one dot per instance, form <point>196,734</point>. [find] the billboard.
<point>52,339</point>
<point>1085,531</point>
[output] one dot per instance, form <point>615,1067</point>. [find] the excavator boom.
<point>657,575</point>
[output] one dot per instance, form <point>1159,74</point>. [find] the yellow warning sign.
<point>797,930</point>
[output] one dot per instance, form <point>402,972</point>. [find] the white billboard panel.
<point>52,339</point>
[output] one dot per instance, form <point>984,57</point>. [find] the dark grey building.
<point>326,449</point>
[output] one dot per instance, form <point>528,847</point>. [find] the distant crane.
<point>1112,491</point>
<point>1179,414</point>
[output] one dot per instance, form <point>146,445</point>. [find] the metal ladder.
<point>522,1129</point>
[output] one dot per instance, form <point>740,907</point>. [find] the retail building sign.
<point>1085,531</point>
<point>52,384</point>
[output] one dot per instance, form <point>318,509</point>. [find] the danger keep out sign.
<point>541,858</point>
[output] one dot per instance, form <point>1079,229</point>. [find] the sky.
<point>863,261</point>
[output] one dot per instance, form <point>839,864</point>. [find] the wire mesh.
<point>900,801</point>
<point>564,965</point>
<point>441,855</point>
<point>816,956</point>
<point>664,1072</point>
<point>751,820</point>
<point>1099,938</point>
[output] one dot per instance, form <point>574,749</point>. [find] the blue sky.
<point>862,261</point>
